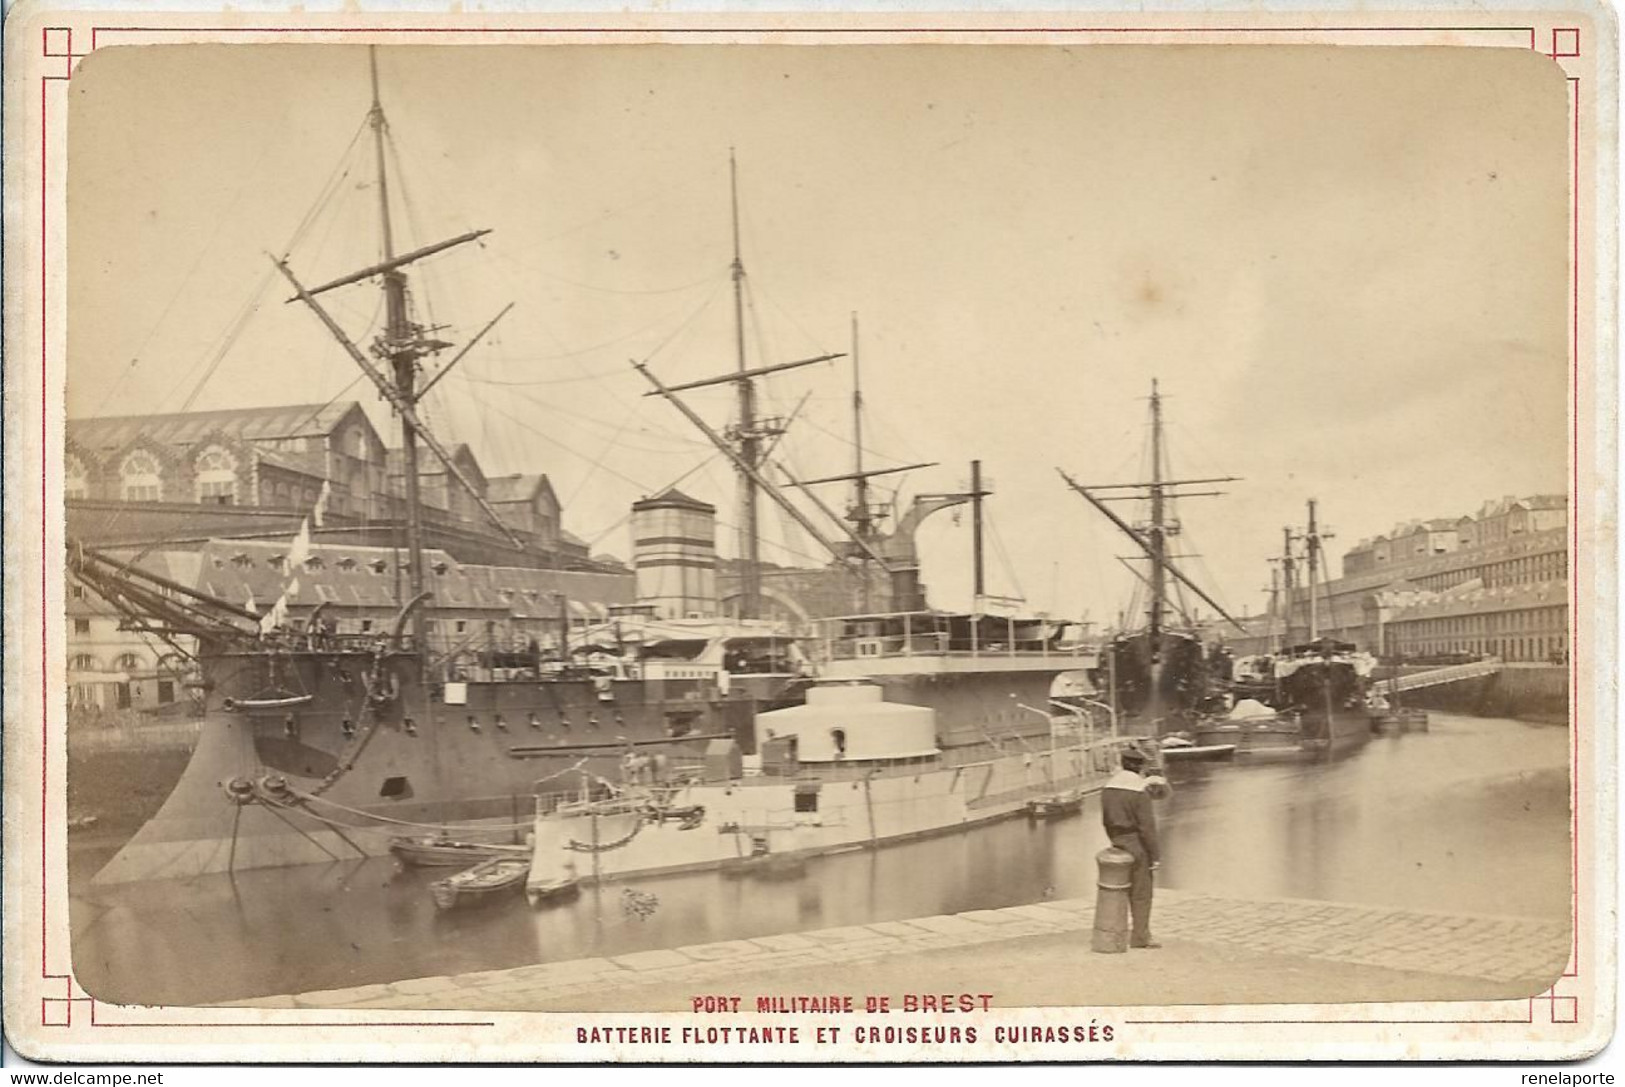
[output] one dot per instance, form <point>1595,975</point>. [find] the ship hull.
<point>1330,697</point>
<point>760,824</point>
<point>340,776</point>
<point>330,780</point>
<point>1155,693</point>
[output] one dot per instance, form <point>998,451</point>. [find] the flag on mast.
<point>320,509</point>
<point>278,615</point>
<point>299,550</point>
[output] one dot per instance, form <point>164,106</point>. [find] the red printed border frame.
<point>57,42</point>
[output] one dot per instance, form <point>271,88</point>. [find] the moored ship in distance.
<point>1315,693</point>
<point>1160,677</point>
<point>1324,681</point>
<point>1325,685</point>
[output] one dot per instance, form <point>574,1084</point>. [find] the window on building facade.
<point>81,626</point>
<point>139,480</point>
<point>216,477</point>
<point>128,662</point>
<point>75,481</point>
<point>84,662</point>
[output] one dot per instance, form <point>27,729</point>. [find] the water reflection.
<point>1470,817</point>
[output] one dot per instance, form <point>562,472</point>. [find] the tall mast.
<point>398,345</point>
<point>750,581</point>
<point>1312,545</point>
<point>1158,533</point>
<point>1157,538</point>
<point>1275,606</point>
<point>1288,578</point>
<point>860,515</point>
<point>979,586</point>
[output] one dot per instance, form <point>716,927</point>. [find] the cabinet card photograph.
<point>809,538</point>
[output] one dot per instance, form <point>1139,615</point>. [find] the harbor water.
<point>1472,816</point>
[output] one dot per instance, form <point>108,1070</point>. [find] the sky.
<point>1345,267</point>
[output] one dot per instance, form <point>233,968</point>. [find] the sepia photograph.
<point>725,543</point>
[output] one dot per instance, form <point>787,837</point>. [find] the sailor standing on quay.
<point>1125,808</point>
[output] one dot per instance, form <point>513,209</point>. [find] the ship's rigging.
<point>1164,664</point>
<point>749,445</point>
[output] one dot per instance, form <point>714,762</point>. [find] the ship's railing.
<point>300,641</point>
<point>978,640</point>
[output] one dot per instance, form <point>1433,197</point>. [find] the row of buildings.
<point>213,500</point>
<point>1491,584</point>
<point>235,472</point>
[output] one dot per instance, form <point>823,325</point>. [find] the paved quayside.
<point>1216,950</point>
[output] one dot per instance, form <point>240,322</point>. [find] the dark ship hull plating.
<point>1154,696</point>
<point>340,775</point>
<point>1330,700</point>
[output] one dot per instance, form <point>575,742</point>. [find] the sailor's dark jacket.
<point>1125,808</point>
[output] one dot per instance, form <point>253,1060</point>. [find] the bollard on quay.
<point>1111,900</point>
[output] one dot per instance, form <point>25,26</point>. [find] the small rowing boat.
<point>442,852</point>
<point>486,880</point>
<point>266,703</point>
<point>1176,749</point>
<point>1056,806</point>
<point>557,890</point>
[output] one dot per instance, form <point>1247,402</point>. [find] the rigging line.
<point>233,332</point>
<point>773,301</point>
<point>847,441</point>
<point>555,442</point>
<point>676,439</point>
<point>596,376</point>
<point>335,399</point>
<point>661,193</point>
<point>272,808</point>
<point>329,821</point>
<point>656,323</point>
<point>819,562</point>
<point>535,270</point>
<point>203,251</point>
<point>1188,436</point>
<point>1004,557</point>
<point>688,321</point>
<point>413,221</point>
<point>626,421</point>
<point>341,170</point>
<point>624,518</point>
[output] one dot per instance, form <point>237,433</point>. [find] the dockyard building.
<point>190,476</point>
<point>1494,584</point>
